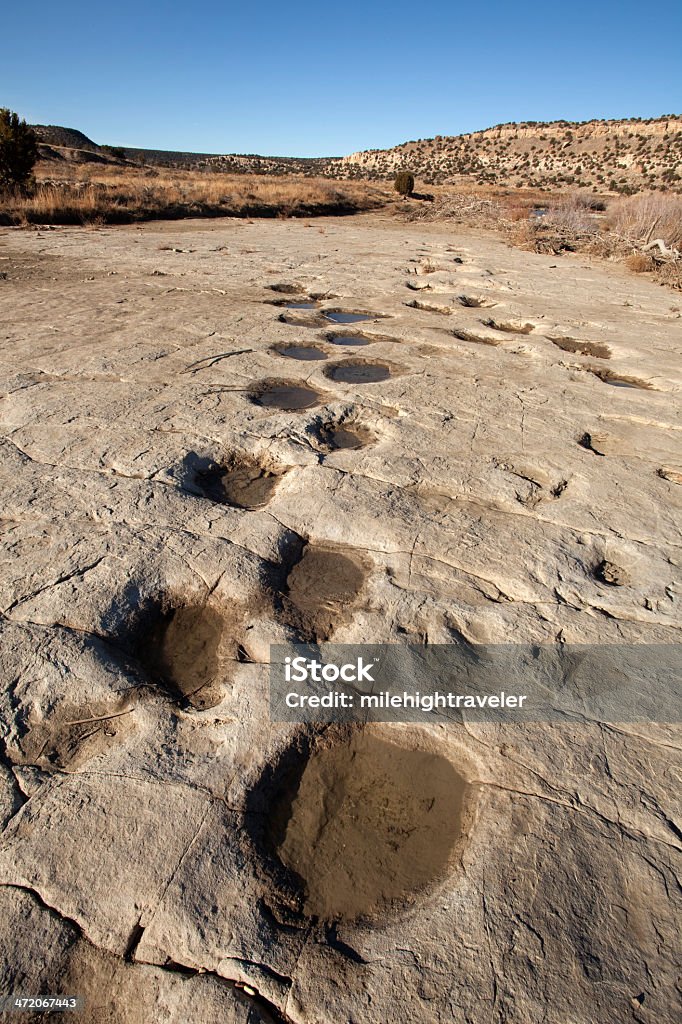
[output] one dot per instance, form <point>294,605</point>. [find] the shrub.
<point>570,219</point>
<point>516,211</point>
<point>640,263</point>
<point>589,202</point>
<point>404,183</point>
<point>116,151</point>
<point>640,220</point>
<point>18,151</point>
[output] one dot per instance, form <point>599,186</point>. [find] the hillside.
<point>57,143</point>
<point>71,138</point>
<point>618,156</point>
<point>621,156</point>
<point>231,163</point>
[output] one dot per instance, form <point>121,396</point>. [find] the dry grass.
<point>105,193</point>
<point>566,224</point>
<point>644,231</point>
<point>517,211</point>
<point>570,219</point>
<point>641,219</point>
<point>86,194</point>
<point>471,207</point>
<point>640,263</point>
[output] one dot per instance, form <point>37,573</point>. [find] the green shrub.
<point>115,151</point>
<point>18,151</point>
<point>404,183</point>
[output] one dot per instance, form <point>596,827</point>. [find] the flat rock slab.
<point>499,489</point>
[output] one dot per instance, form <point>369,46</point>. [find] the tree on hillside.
<point>18,150</point>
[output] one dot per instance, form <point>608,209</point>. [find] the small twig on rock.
<point>100,718</point>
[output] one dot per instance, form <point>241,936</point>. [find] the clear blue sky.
<point>310,79</point>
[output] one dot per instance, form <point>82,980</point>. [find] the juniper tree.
<point>18,150</point>
<point>404,183</point>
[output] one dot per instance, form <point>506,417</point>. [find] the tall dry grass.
<point>644,231</point>
<point>565,224</point>
<point>639,220</point>
<point>111,194</point>
<point>570,218</point>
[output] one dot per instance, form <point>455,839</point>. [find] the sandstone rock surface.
<point>497,487</point>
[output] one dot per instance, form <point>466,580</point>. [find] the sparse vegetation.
<point>95,193</point>
<point>18,151</point>
<point>640,220</point>
<point>643,231</point>
<point>538,155</point>
<point>559,175</point>
<point>118,152</point>
<point>565,226</point>
<point>639,263</point>
<point>404,183</point>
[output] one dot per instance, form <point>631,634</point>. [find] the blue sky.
<point>308,79</point>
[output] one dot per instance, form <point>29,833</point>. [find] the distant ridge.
<point>236,163</point>
<point>71,138</point>
<point>625,156</point>
<point>67,143</point>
